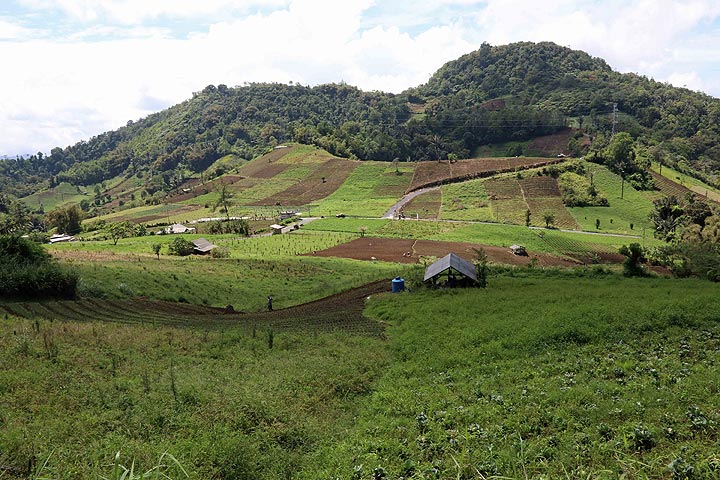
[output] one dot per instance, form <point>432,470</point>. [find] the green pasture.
<point>634,208</point>
<point>522,380</point>
<point>243,283</point>
<point>370,190</point>
<point>518,380</point>
<point>62,194</point>
<point>287,245</point>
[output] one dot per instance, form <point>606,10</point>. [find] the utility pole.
<point>615,112</point>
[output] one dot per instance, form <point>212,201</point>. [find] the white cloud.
<point>10,30</point>
<point>122,62</point>
<point>136,11</point>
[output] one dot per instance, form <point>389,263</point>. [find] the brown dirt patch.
<point>551,145</point>
<point>173,213</point>
<point>312,188</point>
<point>409,251</point>
<point>430,174</point>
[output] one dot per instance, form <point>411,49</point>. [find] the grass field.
<point>496,234</point>
<point>466,201</point>
<point>245,284</point>
<point>634,208</point>
<point>53,198</point>
<point>370,190</point>
<point>467,384</point>
<point>689,182</point>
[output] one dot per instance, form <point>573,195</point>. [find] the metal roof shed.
<point>202,245</point>
<point>449,265</point>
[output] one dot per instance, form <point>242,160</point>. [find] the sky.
<point>77,68</point>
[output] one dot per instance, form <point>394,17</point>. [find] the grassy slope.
<point>633,208</point>
<point>53,198</point>
<point>494,381</point>
<point>243,283</point>
<point>690,182</point>
<point>370,190</point>
<point>524,381</point>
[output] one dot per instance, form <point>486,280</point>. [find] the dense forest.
<point>493,95</point>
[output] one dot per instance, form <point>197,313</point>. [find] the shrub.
<point>181,247</point>
<point>220,252</point>
<point>28,271</point>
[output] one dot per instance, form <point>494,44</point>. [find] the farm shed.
<point>178,228</point>
<point>276,229</point>
<point>451,271</point>
<point>59,237</point>
<point>202,246</point>
<point>518,250</point>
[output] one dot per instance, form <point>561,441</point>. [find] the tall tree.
<point>225,197</point>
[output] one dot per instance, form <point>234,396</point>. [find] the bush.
<point>28,271</point>
<point>220,252</point>
<point>181,247</point>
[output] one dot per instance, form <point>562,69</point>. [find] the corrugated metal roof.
<point>451,261</point>
<point>202,245</point>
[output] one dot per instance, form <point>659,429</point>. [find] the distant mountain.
<point>493,95</point>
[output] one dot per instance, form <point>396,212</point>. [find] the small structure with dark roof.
<point>451,271</point>
<point>202,246</point>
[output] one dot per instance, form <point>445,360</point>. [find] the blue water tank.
<point>398,285</point>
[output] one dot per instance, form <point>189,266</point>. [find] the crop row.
<point>434,173</point>
<point>342,312</point>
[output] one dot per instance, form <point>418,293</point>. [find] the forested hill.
<point>492,95</point>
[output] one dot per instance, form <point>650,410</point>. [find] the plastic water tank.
<point>398,285</point>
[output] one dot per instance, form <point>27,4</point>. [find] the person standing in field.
<point>269,303</point>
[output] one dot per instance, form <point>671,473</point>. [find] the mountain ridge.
<point>532,89</point>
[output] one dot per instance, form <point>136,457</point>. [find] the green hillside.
<point>512,93</point>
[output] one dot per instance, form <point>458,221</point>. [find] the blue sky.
<point>76,68</point>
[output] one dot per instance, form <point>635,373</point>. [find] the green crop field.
<point>370,190</point>
<point>243,283</point>
<point>466,201</point>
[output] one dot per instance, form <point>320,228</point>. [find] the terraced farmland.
<point>342,311</point>
<point>510,198</point>
<point>429,174</point>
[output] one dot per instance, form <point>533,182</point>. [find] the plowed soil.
<point>410,251</point>
<point>430,174</point>
<point>340,312</point>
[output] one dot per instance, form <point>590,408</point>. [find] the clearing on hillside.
<point>432,173</point>
<point>410,251</point>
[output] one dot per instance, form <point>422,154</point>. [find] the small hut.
<point>202,246</point>
<point>276,229</point>
<point>518,250</point>
<point>177,228</point>
<point>451,271</point>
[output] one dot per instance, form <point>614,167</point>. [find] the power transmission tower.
<point>615,113</point>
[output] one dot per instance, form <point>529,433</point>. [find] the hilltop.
<point>500,94</point>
